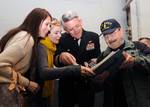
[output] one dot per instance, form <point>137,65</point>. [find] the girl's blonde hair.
<point>55,22</point>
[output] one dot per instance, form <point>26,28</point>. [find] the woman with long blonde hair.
<point>46,70</point>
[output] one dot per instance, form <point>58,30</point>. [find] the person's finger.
<point>89,71</point>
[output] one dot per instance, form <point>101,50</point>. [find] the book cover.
<point>110,62</point>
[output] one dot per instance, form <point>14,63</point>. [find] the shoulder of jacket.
<point>90,32</point>
<point>135,44</point>
<point>40,45</point>
<point>21,36</point>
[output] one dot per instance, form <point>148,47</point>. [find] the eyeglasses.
<point>74,28</point>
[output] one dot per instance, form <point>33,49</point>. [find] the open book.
<point>112,60</point>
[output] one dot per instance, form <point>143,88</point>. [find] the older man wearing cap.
<point>128,85</point>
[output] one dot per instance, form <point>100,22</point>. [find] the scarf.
<point>48,88</point>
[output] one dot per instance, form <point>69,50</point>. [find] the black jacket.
<point>82,53</point>
<point>81,88</point>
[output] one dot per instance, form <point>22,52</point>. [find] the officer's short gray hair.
<point>69,16</point>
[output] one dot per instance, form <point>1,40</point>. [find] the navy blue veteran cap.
<point>109,26</point>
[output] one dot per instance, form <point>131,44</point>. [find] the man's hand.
<point>87,71</point>
<point>128,62</point>
<point>91,63</point>
<point>67,58</point>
